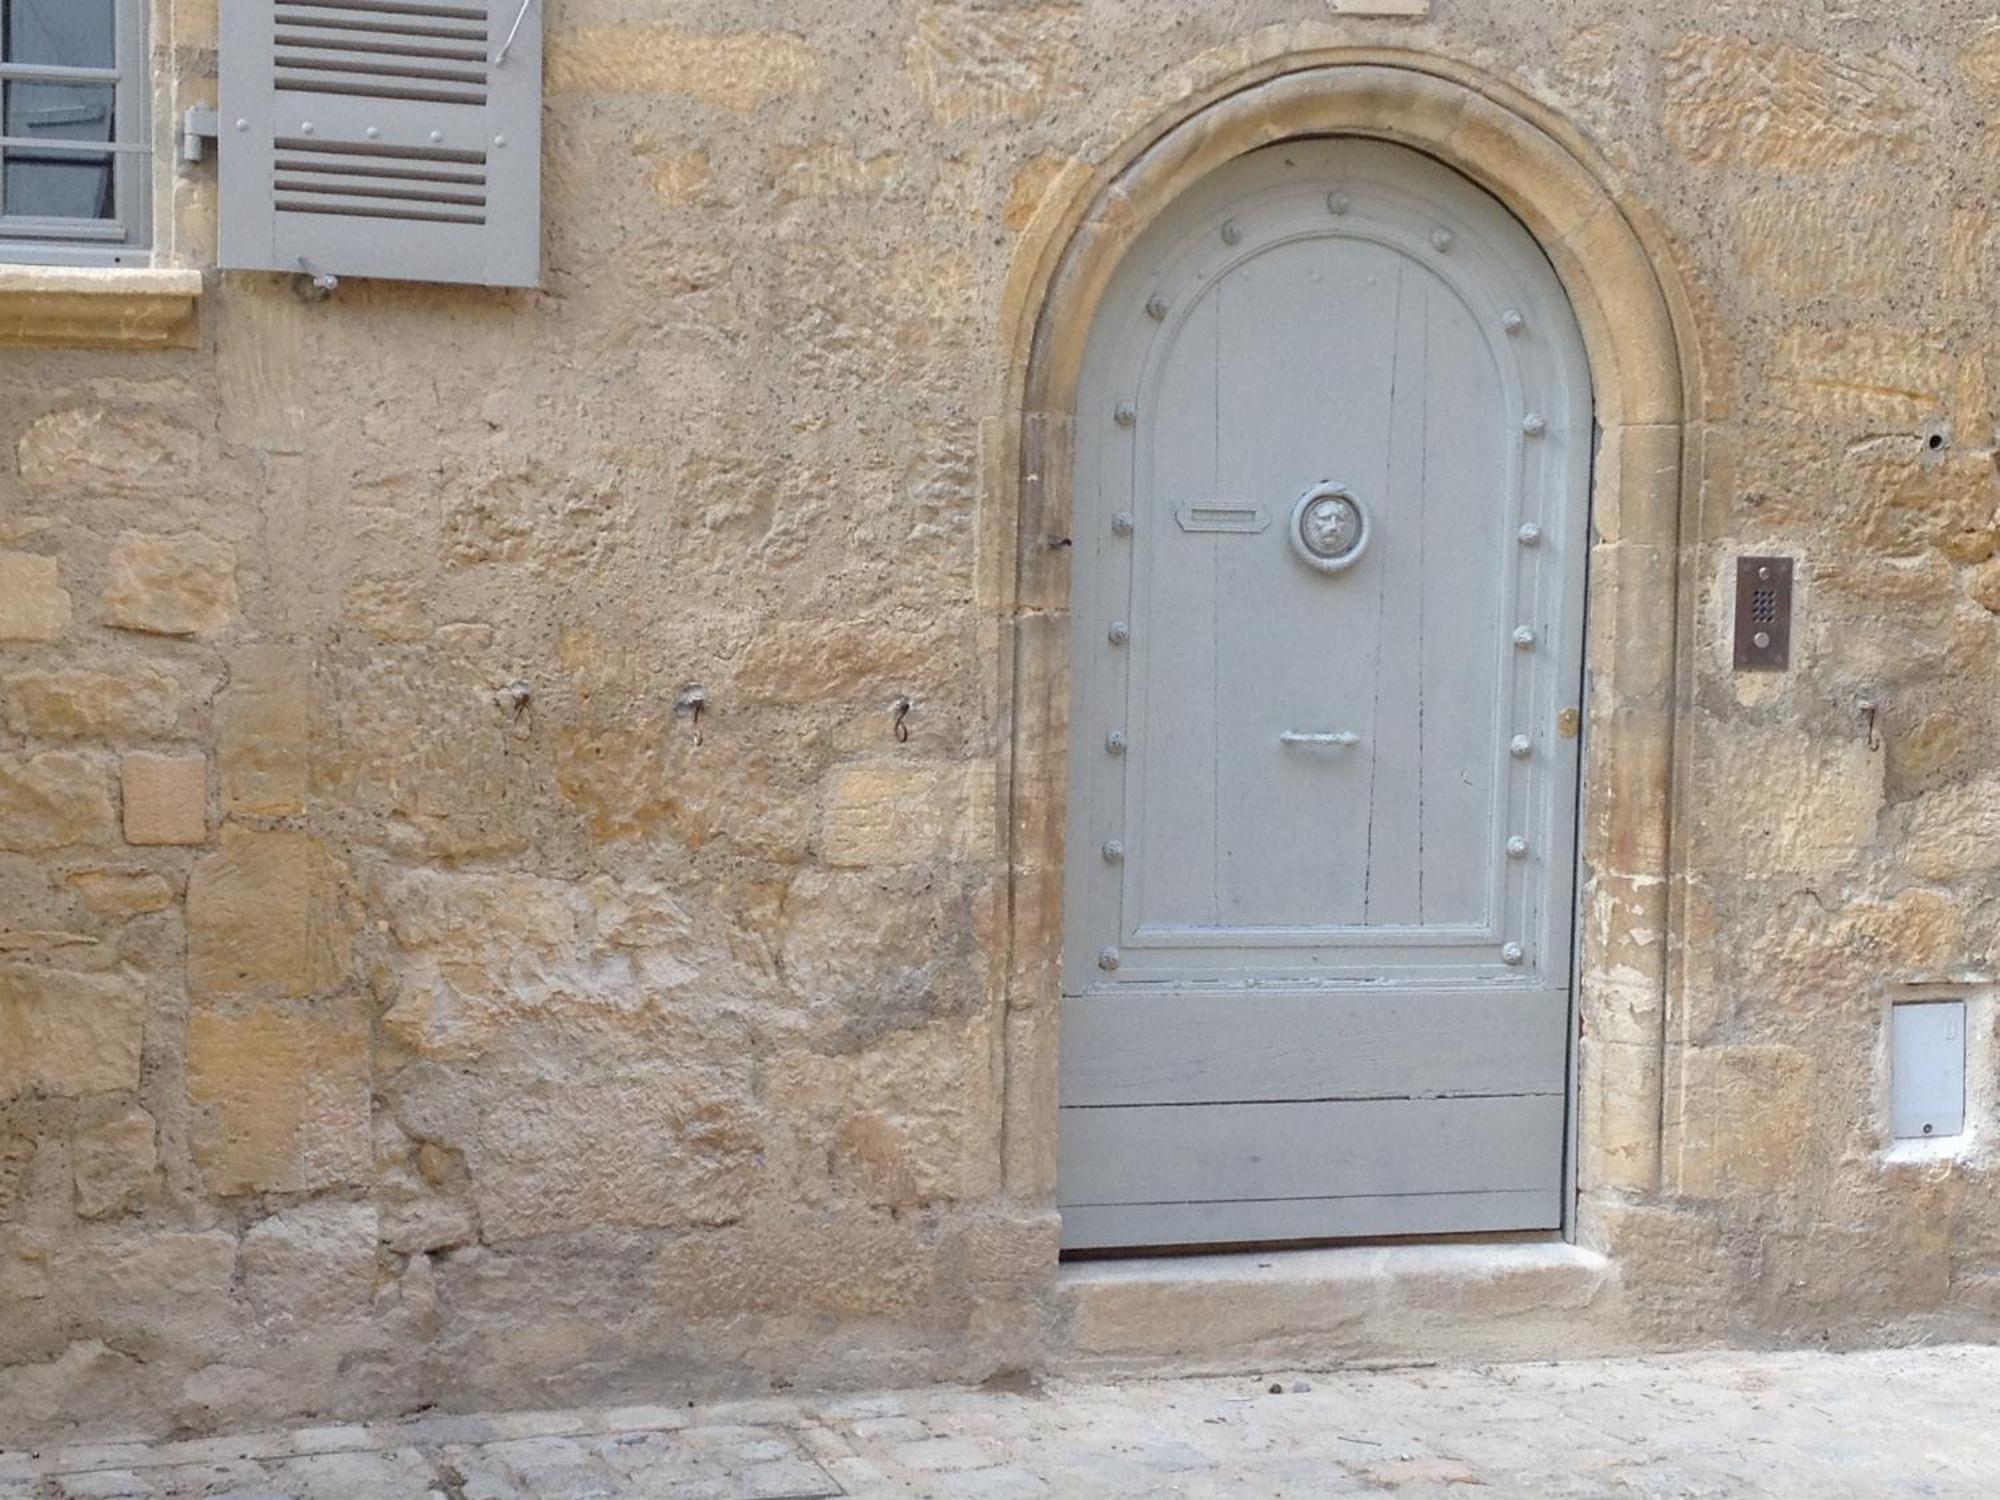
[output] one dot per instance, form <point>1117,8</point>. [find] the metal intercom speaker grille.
<point>390,138</point>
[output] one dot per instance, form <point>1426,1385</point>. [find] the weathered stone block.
<point>52,800</point>
<point>262,917</point>
<point>1979,61</point>
<point>17,1159</point>
<point>263,721</point>
<point>1743,1121</point>
<point>115,1161</point>
<point>830,169</point>
<point>812,661</point>
<point>165,798</point>
<point>1984,586</point>
<point>120,893</point>
<point>170,585</point>
<point>1955,832</point>
<point>891,812</point>
<point>1786,802</point>
<point>311,1265</point>
<point>991,64</point>
<point>1732,101</point>
<point>68,705</point>
<point>281,1100</point>
<point>1816,242</point>
<point>735,71</point>
<point>1861,379</point>
<point>66,1034</point>
<point>104,449</point>
<point>656,1149</point>
<point>34,606</point>
<point>913,1120</point>
<point>881,951</point>
<point>860,1266</point>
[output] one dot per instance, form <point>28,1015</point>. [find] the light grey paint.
<point>383,138</point>
<point>1927,1069</point>
<point>1334,960</point>
<point>73,133</point>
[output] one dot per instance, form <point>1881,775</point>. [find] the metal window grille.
<point>75,132</point>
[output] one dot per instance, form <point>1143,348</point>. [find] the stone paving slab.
<point>1795,1426</point>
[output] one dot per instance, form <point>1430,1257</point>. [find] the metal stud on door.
<point>1328,603</point>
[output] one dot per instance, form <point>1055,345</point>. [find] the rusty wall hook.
<point>1869,709</point>
<point>900,723</point>
<point>688,705</point>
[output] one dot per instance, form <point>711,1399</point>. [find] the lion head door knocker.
<point>1329,528</point>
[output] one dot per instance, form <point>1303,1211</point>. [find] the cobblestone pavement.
<point>1896,1423</point>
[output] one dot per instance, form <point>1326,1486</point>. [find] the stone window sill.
<point>98,307</point>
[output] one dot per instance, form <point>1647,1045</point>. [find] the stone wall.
<point>407,998</point>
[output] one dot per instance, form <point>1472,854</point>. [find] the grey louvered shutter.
<point>397,138</point>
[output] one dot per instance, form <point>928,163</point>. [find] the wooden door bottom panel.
<point>1140,1226</point>
<point>1217,1164</point>
<point>1217,1047</point>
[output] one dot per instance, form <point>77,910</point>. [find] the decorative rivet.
<point>1511,954</point>
<point>1524,638</point>
<point>1107,959</point>
<point>242,124</point>
<point>1156,307</point>
<point>1512,321</point>
<point>1531,535</point>
<point>373,132</point>
<point>1230,232</point>
<point>437,135</point>
<point>1126,414</point>
<point>1534,424</point>
<point>1114,851</point>
<point>1114,742</point>
<point>1517,847</point>
<point>1337,203</point>
<point>500,140</point>
<point>1121,524</point>
<point>305,127</point>
<point>1441,240</point>
<point>1520,747</point>
<point>1119,633</point>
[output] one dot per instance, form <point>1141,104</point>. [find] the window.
<point>75,162</point>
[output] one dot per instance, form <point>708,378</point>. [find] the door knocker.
<point>1329,528</point>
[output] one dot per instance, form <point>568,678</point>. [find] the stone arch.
<point>1645,378</point>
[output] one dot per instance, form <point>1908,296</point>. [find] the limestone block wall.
<point>408,997</point>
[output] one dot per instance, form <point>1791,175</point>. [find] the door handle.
<point>1339,740</point>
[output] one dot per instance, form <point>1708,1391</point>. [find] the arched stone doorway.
<point>1644,384</point>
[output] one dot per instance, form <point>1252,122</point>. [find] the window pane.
<point>72,33</point>
<point>58,184</point>
<point>61,111</point>
<point>74,185</point>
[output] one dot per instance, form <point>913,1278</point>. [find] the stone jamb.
<point>1645,375</point>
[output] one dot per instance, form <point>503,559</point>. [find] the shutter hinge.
<point>200,123</point>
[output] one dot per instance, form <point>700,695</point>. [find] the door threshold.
<point>1464,1298</point>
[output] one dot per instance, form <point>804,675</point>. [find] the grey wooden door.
<point>1333,448</point>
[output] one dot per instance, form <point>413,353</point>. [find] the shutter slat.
<point>376,44</point>
<point>381,138</point>
<point>384,8</point>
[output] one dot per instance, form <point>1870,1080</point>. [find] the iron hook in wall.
<point>689,703</point>
<point>900,724</point>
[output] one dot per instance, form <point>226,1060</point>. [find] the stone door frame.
<point>1645,377</point>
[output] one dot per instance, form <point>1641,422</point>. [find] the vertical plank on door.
<point>1172,770</point>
